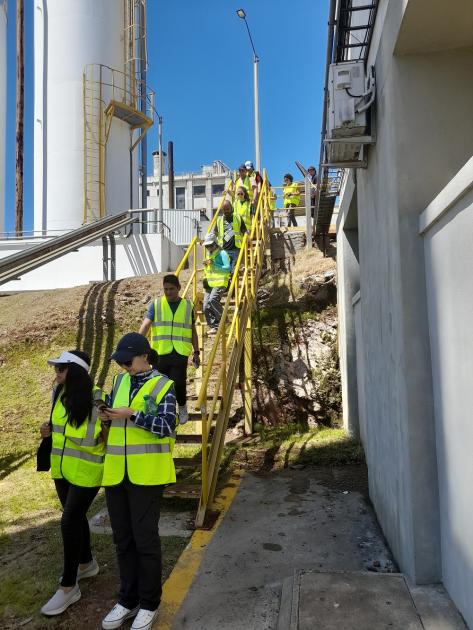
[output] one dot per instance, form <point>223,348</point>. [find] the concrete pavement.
<point>301,549</point>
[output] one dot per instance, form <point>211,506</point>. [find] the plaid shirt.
<point>164,423</point>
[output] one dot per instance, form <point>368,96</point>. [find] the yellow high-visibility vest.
<point>172,330</point>
<point>142,455</point>
<point>77,453</point>
<point>245,183</point>
<point>236,224</point>
<point>295,198</point>
<point>243,210</point>
<point>215,277</point>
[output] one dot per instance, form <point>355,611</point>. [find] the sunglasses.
<point>240,194</point>
<point>60,368</point>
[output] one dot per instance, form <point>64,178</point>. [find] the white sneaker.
<point>183,415</point>
<point>60,601</point>
<point>90,571</point>
<point>117,616</point>
<point>144,619</point>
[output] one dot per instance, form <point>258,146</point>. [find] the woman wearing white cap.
<point>76,466</point>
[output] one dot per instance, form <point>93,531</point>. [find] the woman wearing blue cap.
<point>138,464</point>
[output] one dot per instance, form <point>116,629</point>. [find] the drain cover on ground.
<point>352,601</point>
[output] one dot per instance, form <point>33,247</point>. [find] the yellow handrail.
<point>233,339</point>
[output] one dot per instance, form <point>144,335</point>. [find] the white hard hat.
<point>209,240</point>
<point>249,164</point>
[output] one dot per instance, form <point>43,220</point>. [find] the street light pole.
<point>242,15</point>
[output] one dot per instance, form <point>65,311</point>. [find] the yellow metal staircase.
<point>226,358</point>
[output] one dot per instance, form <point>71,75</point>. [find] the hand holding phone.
<point>100,404</point>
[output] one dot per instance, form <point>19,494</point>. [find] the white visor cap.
<point>68,357</point>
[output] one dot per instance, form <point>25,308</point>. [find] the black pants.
<point>291,219</point>
<point>74,527</point>
<point>134,517</point>
<point>174,366</point>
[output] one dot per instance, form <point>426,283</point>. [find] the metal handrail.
<point>18,264</point>
<point>233,338</point>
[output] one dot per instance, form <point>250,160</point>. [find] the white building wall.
<point>3,107</point>
<point>446,229</point>
<point>424,135</point>
<point>136,255</point>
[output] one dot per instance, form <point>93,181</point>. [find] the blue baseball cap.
<point>131,345</point>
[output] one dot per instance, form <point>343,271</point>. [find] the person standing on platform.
<point>216,278</point>
<point>292,198</point>
<point>229,230</point>
<point>174,337</point>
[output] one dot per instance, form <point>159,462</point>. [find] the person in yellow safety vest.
<point>256,181</point>
<point>247,182</point>
<point>77,455</point>
<point>229,230</point>
<point>138,464</point>
<point>174,337</point>
<point>242,206</point>
<point>216,277</point>
<point>292,198</point>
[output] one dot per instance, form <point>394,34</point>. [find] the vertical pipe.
<point>171,174</point>
<point>20,104</point>
<point>160,149</point>
<point>308,220</point>
<point>113,258</point>
<point>39,143</point>
<point>105,258</point>
<point>331,26</point>
<point>3,106</point>
<point>144,141</point>
<point>256,106</point>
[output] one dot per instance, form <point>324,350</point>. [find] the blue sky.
<point>200,64</point>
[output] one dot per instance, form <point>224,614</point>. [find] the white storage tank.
<point>3,106</point>
<point>70,35</point>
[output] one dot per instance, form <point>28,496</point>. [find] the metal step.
<point>188,438</point>
<point>188,462</point>
<point>183,490</point>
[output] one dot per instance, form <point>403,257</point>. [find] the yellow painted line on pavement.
<point>179,582</point>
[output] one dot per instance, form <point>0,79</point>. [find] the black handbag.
<point>43,454</point>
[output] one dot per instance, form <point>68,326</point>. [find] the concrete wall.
<point>446,229</point>
<point>137,255</point>
<point>348,285</point>
<point>424,135</point>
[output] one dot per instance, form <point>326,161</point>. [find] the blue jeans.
<point>233,255</point>
<point>212,308</point>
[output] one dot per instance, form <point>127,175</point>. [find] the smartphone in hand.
<point>100,404</point>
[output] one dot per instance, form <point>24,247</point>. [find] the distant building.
<point>192,191</point>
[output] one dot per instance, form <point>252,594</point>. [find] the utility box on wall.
<point>351,94</point>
